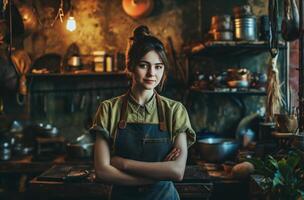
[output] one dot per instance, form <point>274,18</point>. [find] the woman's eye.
<point>159,66</point>
<point>144,66</point>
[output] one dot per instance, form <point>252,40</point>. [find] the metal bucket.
<point>245,28</point>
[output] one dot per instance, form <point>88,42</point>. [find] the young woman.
<point>142,137</point>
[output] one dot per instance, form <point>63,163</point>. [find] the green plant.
<point>283,178</point>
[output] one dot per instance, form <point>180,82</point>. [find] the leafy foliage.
<point>283,178</point>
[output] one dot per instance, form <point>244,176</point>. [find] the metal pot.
<point>82,148</point>
<point>217,150</point>
<point>245,28</point>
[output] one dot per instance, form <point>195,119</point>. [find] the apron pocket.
<point>155,140</point>
<point>155,149</point>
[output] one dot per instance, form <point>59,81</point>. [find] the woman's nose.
<point>151,71</point>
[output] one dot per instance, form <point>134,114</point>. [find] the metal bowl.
<point>217,150</point>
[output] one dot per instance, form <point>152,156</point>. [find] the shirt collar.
<point>149,106</point>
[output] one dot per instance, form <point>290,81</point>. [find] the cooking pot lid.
<point>138,8</point>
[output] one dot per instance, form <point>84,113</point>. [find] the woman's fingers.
<point>170,154</point>
<point>173,154</point>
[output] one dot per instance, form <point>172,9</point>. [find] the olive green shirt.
<point>176,116</point>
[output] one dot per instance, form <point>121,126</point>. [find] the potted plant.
<point>283,178</point>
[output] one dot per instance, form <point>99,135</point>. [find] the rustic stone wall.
<point>103,25</point>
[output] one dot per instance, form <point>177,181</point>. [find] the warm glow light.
<point>71,24</point>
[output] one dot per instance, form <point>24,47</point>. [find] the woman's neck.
<point>141,95</point>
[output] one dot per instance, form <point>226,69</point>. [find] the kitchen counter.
<point>197,184</point>
<point>56,184</point>
<point>201,180</point>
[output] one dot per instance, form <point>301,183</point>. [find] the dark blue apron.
<point>143,142</point>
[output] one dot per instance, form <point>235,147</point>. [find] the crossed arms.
<point>121,171</point>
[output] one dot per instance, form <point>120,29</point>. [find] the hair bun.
<point>140,32</point>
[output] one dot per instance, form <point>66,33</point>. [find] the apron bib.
<point>143,142</point>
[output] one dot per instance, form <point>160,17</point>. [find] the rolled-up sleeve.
<point>100,125</point>
<point>181,124</point>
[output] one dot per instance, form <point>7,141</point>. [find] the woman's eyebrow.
<point>143,61</point>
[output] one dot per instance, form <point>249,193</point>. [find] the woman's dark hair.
<point>139,45</point>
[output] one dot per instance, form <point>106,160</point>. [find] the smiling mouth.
<point>149,80</point>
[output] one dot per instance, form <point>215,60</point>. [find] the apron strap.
<point>123,116</point>
<point>161,115</point>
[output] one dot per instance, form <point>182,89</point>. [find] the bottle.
<point>99,61</point>
<point>109,63</point>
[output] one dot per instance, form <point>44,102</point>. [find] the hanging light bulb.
<point>71,24</point>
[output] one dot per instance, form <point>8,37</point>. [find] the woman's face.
<point>149,71</point>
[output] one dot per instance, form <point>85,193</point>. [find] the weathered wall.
<point>103,25</point>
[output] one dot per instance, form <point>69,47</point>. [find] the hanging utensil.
<point>291,21</point>
<point>274,97</point>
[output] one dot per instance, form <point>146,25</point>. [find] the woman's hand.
<point>118,162</point>
<point>173,155</point>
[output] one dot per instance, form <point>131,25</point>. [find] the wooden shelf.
<point>229,48</point>
<point>70,74</point>
<point>249,91</point>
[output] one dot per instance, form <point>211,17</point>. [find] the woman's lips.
<point>149,81</point>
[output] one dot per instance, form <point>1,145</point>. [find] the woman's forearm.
<point>168,170</point>
<point>111,175</point>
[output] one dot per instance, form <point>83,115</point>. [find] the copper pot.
<point>221,23</point>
